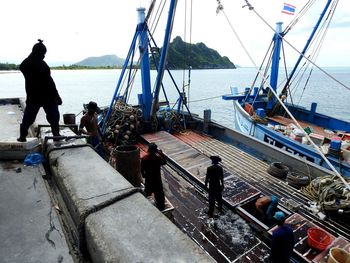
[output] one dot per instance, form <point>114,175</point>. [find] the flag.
<point>288,9</point>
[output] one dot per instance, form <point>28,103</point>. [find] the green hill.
<point>103,61</point>
<point>199,55</point>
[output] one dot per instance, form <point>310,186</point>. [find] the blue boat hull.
<point>245,124</point>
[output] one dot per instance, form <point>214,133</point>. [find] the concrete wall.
<point>113,221</point>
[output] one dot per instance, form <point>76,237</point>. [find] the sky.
<point>73,30</point>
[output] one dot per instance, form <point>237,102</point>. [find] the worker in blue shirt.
<point>282,241</point>
<point>267,207</point>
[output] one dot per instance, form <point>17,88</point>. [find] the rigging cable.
<point>295,49</point>
<point>322,36</point>
<point>189,65</point>
<point>221,8</point>
<point>319,40</point>
<point>299,15</point>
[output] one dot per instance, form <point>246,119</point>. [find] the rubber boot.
<point>23,132</point>
<point>55,129</point>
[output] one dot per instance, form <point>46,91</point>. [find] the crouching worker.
<point>267,207</point>
<point>89,126</point>
<point>282,241</point>
<point>150,169</point>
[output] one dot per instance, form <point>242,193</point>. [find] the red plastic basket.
<point>318,238</point>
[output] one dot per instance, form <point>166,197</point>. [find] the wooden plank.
<point>253,171</point>
<point>196,163</point>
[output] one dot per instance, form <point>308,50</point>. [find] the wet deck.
<point>227,237</point>
<point>245,177</point>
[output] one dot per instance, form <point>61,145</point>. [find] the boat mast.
<point>125,66</point>
<point>302,54</point>
<point>144,64</point>
<point>163,56</point>
<point>277,39</point>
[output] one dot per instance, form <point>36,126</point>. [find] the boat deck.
<point>245,178</point>
<point>316,129</point>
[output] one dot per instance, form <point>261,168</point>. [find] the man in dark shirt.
<point>282,241</point>
<point>41,91</point>
<point>150,169</point>
<point>215,178</point>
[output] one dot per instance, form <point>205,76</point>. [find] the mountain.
<point>199,55</point>
<point>103,61</point>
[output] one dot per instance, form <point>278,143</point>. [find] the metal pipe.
<point>163,56</point>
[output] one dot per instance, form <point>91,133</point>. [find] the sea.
<point>205,90</point>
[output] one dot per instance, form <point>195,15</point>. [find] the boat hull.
<point>244,123</point>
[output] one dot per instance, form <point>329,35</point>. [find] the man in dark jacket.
<point>150,169</point>
<point>215,178</point>
<point>41,91</point>
<point>282,241</point>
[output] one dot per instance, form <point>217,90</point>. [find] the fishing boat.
<point>107,218</point>
<point>267,110</point>
<point>188,141</point>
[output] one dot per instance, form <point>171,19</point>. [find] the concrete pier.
<point>103,215</point>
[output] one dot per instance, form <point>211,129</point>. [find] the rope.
<point>209,98</point>
<point>329,193</point>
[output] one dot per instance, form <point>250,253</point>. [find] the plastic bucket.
<point>335,144</point>
<point>318,238</point>
<point>338,255</point>
<point>128,163</point>
<point>260,112</point>
<point>69,118</point>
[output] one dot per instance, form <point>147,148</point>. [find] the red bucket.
<point>318,238</point>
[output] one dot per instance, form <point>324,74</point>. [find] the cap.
<point>279,216</point>
<point>39,48</point>
<point>92,106</point>
<point>152,147</point>
<point>215,158</point>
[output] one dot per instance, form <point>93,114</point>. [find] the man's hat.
<point>279,216</point>
<point>215,158</point>
<point>92,106</point>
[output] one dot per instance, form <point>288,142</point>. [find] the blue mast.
<point>145,67</point>
<point>131,49</point>
<point>149,103</point>
<point>163,56</point>
<point>277,38</point>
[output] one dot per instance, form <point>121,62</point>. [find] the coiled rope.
<point>329,192</point>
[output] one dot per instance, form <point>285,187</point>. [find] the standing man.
<point>41,91</point>
<point>150,169</point>
<point>215,178</point>
<point>282,241</point>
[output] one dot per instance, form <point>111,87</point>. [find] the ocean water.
<point>207,86</point>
